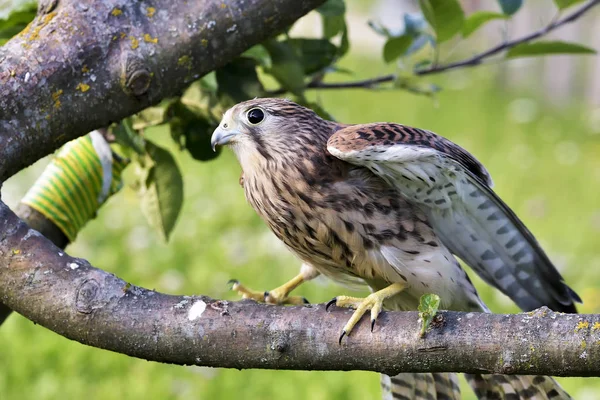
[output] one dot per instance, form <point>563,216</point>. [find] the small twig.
<point>469,62</point>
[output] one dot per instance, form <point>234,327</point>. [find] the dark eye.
<point>255,116</point>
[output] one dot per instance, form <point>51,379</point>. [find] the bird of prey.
<point>390,205</point>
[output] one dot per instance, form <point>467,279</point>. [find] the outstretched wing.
<point>454,189</point>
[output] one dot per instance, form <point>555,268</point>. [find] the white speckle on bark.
<point>232,28</point>
<point>196,310</point>
<point>27,77</point>
<point>60,254</point>
<point>583,355</point>
<point>73,266</point>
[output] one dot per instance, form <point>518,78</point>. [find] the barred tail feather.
<point>420,386</point>
<point>516,387</point>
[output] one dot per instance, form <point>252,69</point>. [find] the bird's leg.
<point>373,302</point>
<point>279,295</point>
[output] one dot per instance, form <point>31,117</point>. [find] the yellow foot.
<point>279,295</point>
<point>373,302</point>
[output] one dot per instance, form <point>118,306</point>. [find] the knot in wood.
<point>87,294</point>
<point>280,343</point>
<point>136,77</point>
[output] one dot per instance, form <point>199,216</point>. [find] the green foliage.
<point>446,17</point>
<point>395,47</point>
<point>332,8</point>
<point>127,137</point>
<point>544,48</point>
<point>238,80</point>
<point>562,4</point>
<point>161,189</point>
<point>428,307</point>
<point>287,66</point>
<point>315,54</point>
<point>510,7</point>
<point>478,19</point>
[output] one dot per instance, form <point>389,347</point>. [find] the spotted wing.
<point>454,189</point>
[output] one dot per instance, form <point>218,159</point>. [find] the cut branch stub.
<point>136,77</point>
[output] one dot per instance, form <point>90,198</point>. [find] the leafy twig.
<point>469,62</point>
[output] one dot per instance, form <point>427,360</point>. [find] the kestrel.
<point>390,206</point>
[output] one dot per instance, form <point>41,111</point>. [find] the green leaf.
<point>546,48</point>
<point>287,66</point>
<point>192,128</point>
<point>562,4</point>
<point>209,82</point>
<point>345,42</point>
<point>333,25</point>
<point>315,54</point>
<point>332,8</point>
<point>446,17</point>
<point>428,307</point>
<point>238,81</point>
<point>478,19</point>
<point>161,191</point>
<point>128,137</point>
<point>259,54</point>
<point>509,7</point>
<point>395,47</point>
<point>197,139</point>
<point>153,116</point>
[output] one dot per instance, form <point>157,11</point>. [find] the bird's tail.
<point>420,386</point>
<point>488,387</point>
<point>445,386</point>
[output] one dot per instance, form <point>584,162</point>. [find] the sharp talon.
<point>305,300</point>
<point>341,337</point>
<point>373,324</point>
<point>331,302</point>
<point>232,281</point>
<point>265,295</point>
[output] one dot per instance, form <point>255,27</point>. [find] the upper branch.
<point>93,307</point>
<point>83,64</point>
<point>468,62</point>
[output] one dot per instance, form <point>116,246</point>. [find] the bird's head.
<point>264,128</point>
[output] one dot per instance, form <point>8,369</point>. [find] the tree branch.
<point>469,62</point>
<point>70,297</point>
<point>83,64</point>
<point>40,223</point>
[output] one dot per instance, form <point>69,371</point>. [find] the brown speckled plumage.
<point>384,203</point>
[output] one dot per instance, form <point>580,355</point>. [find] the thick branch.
<point>83,64</point>
<point>43,225</point>
<point>468,62</point>
<point>72,298</point>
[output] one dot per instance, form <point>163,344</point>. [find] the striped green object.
<point>76,183</point>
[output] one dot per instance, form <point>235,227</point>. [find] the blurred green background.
<point>545,161</point>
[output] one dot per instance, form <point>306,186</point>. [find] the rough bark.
<point>83,64</point>
<point>80,302</point>
<point>43,225</point>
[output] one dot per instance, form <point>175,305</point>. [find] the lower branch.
<point>43,225</point>
<point>93,307</point>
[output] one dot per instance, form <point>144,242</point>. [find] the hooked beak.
<point>222,136</point>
